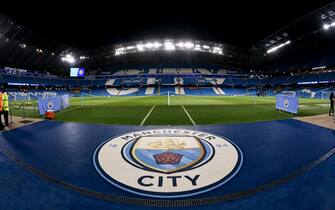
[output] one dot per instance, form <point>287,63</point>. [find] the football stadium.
<point>172,112</point>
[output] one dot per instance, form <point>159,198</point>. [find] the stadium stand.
<point>228,84</point>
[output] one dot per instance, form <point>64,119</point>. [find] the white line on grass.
<point>72,108</point>
<point>188,115</point>
<point>146,116</point>
<point>274,110</point>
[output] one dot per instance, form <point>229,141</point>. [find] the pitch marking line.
<point>72,108</point>
<point>146,116</point>
<point>188,115</point>
<point>267,108</point>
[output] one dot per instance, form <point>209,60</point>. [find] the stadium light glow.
<point>180,44</point>
<point>149,45</point>
<point>140,47</point>
<point>157,45</point>
<point>188,45</point>
<point>275,48</point>
<point>328,26</point>
<point>319,67</point>
<point>119,51</point>
<point>217,50</point>
<point>197,47</point>
<point>169,45</point>
<point>83,57</point>
<point>68,59</point>
<point>131,47</point>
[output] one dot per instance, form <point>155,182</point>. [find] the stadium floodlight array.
<point>328,26</point>
<point>68,59</point>
<point>275,48</point>
<point>169,45</point>
<point>39,50</point>
<point>23,45</point>
<point>84,57</point>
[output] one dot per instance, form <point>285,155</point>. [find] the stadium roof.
<point>300,29</point>
<point>86,30</point>
<point>241,23</point>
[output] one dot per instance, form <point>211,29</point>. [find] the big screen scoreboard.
<point>77,72</point>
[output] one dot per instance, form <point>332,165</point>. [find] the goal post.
<point>168,94</point>
<point>289,93</point>
<point>325,94</point>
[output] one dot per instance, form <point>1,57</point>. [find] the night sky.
<point>242,23</point>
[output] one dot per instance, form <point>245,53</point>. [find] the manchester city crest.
<point>168,163</point>
<point>286,103</point>
<point>50,105</point>
<point>167,154</point>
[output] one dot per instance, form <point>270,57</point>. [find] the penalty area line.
<point>188,115</point>
<point>146,116</point>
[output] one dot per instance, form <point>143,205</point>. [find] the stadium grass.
<point>202,109</point>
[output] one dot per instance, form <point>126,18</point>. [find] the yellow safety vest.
<point>5,106</point>
<point>1,102</point>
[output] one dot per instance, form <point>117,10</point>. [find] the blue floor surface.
<point>271,150</point>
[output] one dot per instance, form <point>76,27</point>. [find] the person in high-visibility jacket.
<point>5,106</point>
<point>1,106</point>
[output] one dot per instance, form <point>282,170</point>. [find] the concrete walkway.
<point>321,120</point>
<point>18,122</point>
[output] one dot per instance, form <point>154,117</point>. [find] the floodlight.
<point>157,45</point>
<point>71,60</point>
<point>275,48</point>
<point>140,47</point>
<point>326,26</point>
<point>149,45</point>
<point>68,59</point>
<point>180,44</point>
<point>216,48</point>
<point>130,47</point>
<point>189,45</point>
<point>119,51</point>
<point>169,45</point>
<point>197,47</point>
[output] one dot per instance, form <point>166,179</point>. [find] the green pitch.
<point>182,110</point>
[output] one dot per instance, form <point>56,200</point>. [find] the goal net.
<point>22,96</point>
<point>289,93</point>
<point>325,94</point>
